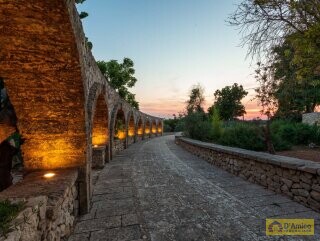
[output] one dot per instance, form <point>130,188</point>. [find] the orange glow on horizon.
<point>166,109</point>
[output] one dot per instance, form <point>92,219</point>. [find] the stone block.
<point>98,156</point>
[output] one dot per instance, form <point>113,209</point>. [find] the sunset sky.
<point>174,44</point>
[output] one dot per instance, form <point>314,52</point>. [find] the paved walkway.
<point>155,190</point>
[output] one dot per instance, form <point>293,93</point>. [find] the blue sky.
<point>174,45</point>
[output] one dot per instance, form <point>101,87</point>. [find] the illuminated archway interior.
<point>154,127</point>
<point>120,125</point>
<point>131,127</point>
<point>140,128</point>
<point>100,133</point>
<point>147,127</point>
<point>159,129</point>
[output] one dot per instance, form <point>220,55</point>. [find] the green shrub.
<point>289,133</point>
<point>197,126</point>
<point>279,143</point>
<point>8,212</point>
<point>315,134</point>
<point>180,126</point>
<point>216,125</point>
<point>303,134</point>
<point>243,135</point>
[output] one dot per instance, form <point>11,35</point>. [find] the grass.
<point>8,212</point>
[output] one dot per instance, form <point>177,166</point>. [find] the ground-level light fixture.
<point>49,175</point>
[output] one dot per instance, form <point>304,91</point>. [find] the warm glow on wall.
<point>159,129</point>
<point>131,132</point>
<point>154,130</point>
<point>54,153</point>
<point>99,139</point>
<point>140,131</point>
<point>147,131</point>
<point>121,135</point>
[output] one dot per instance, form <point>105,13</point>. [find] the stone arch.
<point>117,130</point>
<point>131,130</point>
<point>99,125</point>
<point>154,127</point>
<point>46,87</point>
<point>147,128</point>
<point>46,109</point>
<point>139,129</point>
<point>160,127</point>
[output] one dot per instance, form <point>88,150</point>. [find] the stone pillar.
<point>126,143</point>
<point>107,154</point>
<point>98,156</point>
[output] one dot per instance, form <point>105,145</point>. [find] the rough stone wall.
<point>298,179</point>
<point>311,118</point>
<point>99,157</point>
<point>51,207</point>
<point>130,140</point>
<point>40,65</point>
<point>54,82</point>
<point>118,146</point>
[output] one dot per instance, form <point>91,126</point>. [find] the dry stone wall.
<point>296,178</point>
<point>50,210</point>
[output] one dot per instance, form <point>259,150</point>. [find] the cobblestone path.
<point>155,190</point>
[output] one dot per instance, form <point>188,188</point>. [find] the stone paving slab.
<point>157,191</point>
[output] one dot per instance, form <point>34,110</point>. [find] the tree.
<point>82,15</point>
<point>266,97</point>
<point>266,23</point>
<point>296,93</point>
<point>196,99</point>
<point>228,102</point>
<point>265,93</point>
<point>120,76</point>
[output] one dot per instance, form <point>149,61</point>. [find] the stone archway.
<point>56,88</point>
<point>139,129</point>
<point>131,130</point>
<point>118,133</point>
<point>147,129</point>
<point>153,128</point>
<point>100,132</point>
<point>160,128</point>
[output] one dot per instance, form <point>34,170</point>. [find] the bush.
<point>293,133</point>
<point>8,212</point>
<point>197,126</point>
<point>303,134</point>
<point>180,126</point>
<point>243,135</point>
<point>216,125</point>
<point>249,135</point>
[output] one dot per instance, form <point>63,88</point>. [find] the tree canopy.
<point>196,99</point>
<point>120,77</point>
<point>228,102</point>
<point>266,23</point>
